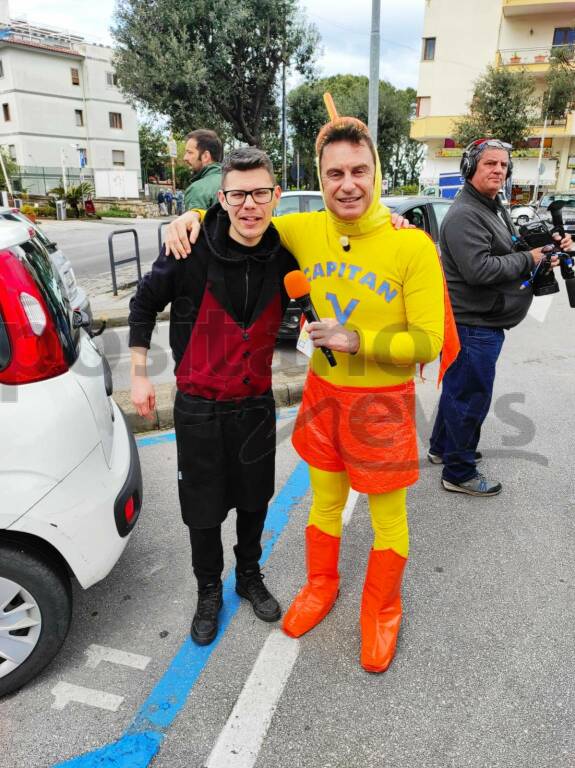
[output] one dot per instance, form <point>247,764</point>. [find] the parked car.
<point>522,214</point>
<point>567,212</point>
<point>423,212</point>
<point>299,201</point>
<point>70,479</point>
<point>76,294</point>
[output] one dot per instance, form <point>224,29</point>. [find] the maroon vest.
<point>223,359</point>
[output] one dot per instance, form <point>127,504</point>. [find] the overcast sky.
<point>344,26</point>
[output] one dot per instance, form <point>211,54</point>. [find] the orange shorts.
<point>367,432</point>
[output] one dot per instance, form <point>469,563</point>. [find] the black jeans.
<point>465,400</point>
<point>208,553</point>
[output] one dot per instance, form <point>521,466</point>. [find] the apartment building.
<point>61,108</point>
<point>460,38</point>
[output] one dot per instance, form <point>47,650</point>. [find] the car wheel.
<point>35,612</point>
<point>522,220</point>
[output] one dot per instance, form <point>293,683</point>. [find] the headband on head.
<point>475,149</point>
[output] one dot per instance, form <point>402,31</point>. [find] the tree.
<point>75,196</point>
<point>211,63</point>
<point>307,114</point>
<point>12,168</point>
<point>153,150</point>
<point>560,83</point>
<point>502,106</point>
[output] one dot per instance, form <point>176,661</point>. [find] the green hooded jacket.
<point>202,192</point>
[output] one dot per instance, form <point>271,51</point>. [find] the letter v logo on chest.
<point>342,315</point>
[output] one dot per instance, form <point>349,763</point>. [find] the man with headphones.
<point>484,274</point>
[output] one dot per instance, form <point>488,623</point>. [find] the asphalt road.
<point>483,676</point>
<point>85,243</point>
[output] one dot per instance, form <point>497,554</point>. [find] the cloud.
<point>345,31</point>
<point>344,27</point>
<point>82,17</point>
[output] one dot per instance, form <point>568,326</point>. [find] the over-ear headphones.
<point>473,152</point>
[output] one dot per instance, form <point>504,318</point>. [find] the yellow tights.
<point>388,510</point>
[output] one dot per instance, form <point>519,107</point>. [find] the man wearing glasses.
<point>226,307</point>
<point>484,275</point>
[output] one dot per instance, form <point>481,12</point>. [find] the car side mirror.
<point>80,319</point>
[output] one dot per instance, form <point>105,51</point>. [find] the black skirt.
<point>226,456</point>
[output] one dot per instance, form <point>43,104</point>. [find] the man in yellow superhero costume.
<point>383,293</point>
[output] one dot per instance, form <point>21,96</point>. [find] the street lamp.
<point>63,162</point>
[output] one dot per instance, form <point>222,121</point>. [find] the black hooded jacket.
<point>243,291</point>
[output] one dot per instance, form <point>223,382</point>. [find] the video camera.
<point>537,234</point>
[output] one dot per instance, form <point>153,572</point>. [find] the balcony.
<point>440,127</point>
<point>437,127</point>
<point>528,7</point>
<point>533,60</point>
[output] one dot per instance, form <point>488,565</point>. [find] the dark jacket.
<point>243,283</point>
<point>203,189</point>
<point>483,273</point>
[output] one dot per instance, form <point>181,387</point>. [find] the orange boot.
<point>315,600</point>
<point>381,609</point>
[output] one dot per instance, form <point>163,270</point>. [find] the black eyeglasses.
<point>238,196</point>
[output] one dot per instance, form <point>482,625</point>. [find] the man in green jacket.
<point>204,155</point>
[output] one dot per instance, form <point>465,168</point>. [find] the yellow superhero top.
<point>388,287</point>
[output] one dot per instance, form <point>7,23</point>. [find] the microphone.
<point>298,288</point>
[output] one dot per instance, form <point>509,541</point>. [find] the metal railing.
<point>114,263</point>
<point>527,56</point>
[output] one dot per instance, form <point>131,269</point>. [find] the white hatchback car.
<point>70,479</point>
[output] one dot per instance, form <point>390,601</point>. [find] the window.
<point>54,294</point>
<point>118,157</point>
<point>440,209</point>
<point>12,151</point>
<point>535,142</point>
<point>79,117</point>
<point>315,203</point>
<point>422,106</point>
<point>83,156</point>
<point>115,119</point>
<point>6,111</point>
<point>416,216</point>
<point>112,79</point>
<point>564,36</point>
<point>428,49</point>
<point>75,73</point>
<point>287,205</point>
<point>1,68</point>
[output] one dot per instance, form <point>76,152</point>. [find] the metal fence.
<point>40,180</point>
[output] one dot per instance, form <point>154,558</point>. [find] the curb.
<point>117,321</point>
<point>285,394</point>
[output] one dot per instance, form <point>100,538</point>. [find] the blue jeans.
<point>465,400</point>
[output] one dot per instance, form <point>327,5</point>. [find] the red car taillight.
<point>36,350</point>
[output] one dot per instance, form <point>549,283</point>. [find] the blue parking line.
<point>143,738</point>
<point>169,437</point>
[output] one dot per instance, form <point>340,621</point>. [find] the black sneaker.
<point>251,586</point>
<point>476,486</point>
<point>437,458</point>
<point>205,622</point>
